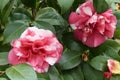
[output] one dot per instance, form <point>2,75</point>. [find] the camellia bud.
<point>85,57</point>
<point>107,75</point>
<point>114,66</point>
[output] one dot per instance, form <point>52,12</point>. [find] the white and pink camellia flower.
<point>36,47</point>
<point>113,66</point>
<point>92,28</point>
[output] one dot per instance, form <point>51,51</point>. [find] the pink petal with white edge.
<point>16,43</point>
<point>14,58</point>
<point>30,31</point>
<point>73,26</point>
<point>51,60</point>
<point>73,18</point>
<point>36,60</point>
<point>95,40</point>
<point>87,10</point>
<point>109,31</point>
<point>41,69</point>
<point>92,40</point>
<point>93,19</point>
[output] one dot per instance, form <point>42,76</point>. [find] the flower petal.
<point>95,40</point>
<point>114,66</point>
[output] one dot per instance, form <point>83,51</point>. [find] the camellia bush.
<point>60,40</point>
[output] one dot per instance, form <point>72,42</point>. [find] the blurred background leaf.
<point>65,5</point>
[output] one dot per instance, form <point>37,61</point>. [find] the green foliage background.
<point>17,15</point>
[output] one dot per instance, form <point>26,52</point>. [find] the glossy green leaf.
<point>117,14</point>
<point>51,16</point>
<point>117,33</point>
<point>65,4</point>
<point>109,48</point>
<point>67,77</point>
<point>100,62</point>
<point>43,76</point>
<point>41,79</point>
<point>74,74</point>
<point>14,30</point>
<point>3,3</point>
<point>77,3</point>
<point>5,48</point>
<point>100,6</point>
<point>3,79</point>
<point>112,1</point>
<point>53,4</point>
<point>91,74</point>
<point>3,58</point>
<point>20,14</point>
<point>45,25</point>
<point>70,42</point>
<point>69,60</point>
<point>21,72</point>
<point>6,11</point>
<point>54,74</point>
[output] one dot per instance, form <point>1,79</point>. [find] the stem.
<point>33,13</point>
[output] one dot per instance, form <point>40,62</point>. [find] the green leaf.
<point>53,4</point>
<point>51,16</point>
<point>91,74</point>
<point>5,48</point>
<point>4,67</point>
<point>65,4</point>
<point>72,44</point>
<point>3,3</point>
<point>112,1</point>
<point>21,72</point>
<point>6,11</point>
<point>41,79</point>
<point>14,30</point>
<point>3,58</point>
<point>117,33</point>
<point>54,74</point>
<point>74,74</point>
<point>76,4</point>
<point>100,62</point>
<point>20,14</point>
<point>45,25</point>
<point>100,6</point>
<point>115,77</point>
<point>109,48</point>
<point>117,14</point>
<point>69,60</point>
<point>3,79</point>
<point>43,76</point>
<point>67,77</point>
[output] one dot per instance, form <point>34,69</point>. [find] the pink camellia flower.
<point>108,75</point>
<point>113,66</point>
<point>36,47</point>
<point>92,28</point>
